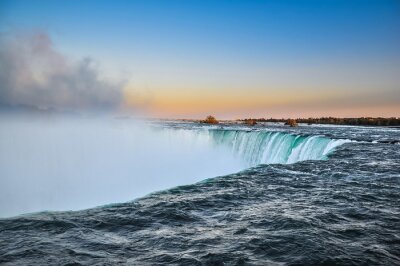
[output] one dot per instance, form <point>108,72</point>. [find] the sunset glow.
<point>187,60</point>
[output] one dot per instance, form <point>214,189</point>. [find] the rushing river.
<point>299,196</point>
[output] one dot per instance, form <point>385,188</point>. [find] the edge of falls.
<point>270,147</point>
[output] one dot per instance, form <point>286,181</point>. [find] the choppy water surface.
<point>342,207</point>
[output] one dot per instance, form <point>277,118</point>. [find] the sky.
<point>188,59</point>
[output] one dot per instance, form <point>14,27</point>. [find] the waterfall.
<point>267,147</point>
<point>70,164</point>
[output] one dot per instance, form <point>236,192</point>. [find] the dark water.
<point>341,211</point>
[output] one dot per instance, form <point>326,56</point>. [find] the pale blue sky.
<point>345,53</point>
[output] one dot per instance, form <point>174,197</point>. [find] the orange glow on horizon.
<point>231,104</point>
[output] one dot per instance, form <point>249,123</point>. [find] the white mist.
<point>69,164</point>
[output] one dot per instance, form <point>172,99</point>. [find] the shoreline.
<point>392,122</point>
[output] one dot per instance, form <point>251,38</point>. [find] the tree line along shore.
<point>360,121</point>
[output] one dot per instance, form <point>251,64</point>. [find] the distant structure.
<point>291,123</point>
<point>210,120</point>
<point>250,122</point>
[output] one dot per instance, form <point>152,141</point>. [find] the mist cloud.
<point>33,73</point>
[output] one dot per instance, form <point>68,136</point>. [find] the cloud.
<point>33,73</point>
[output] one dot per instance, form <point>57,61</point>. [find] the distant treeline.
<point>361,121</point>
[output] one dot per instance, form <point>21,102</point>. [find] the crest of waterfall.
<point>263,147</point>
